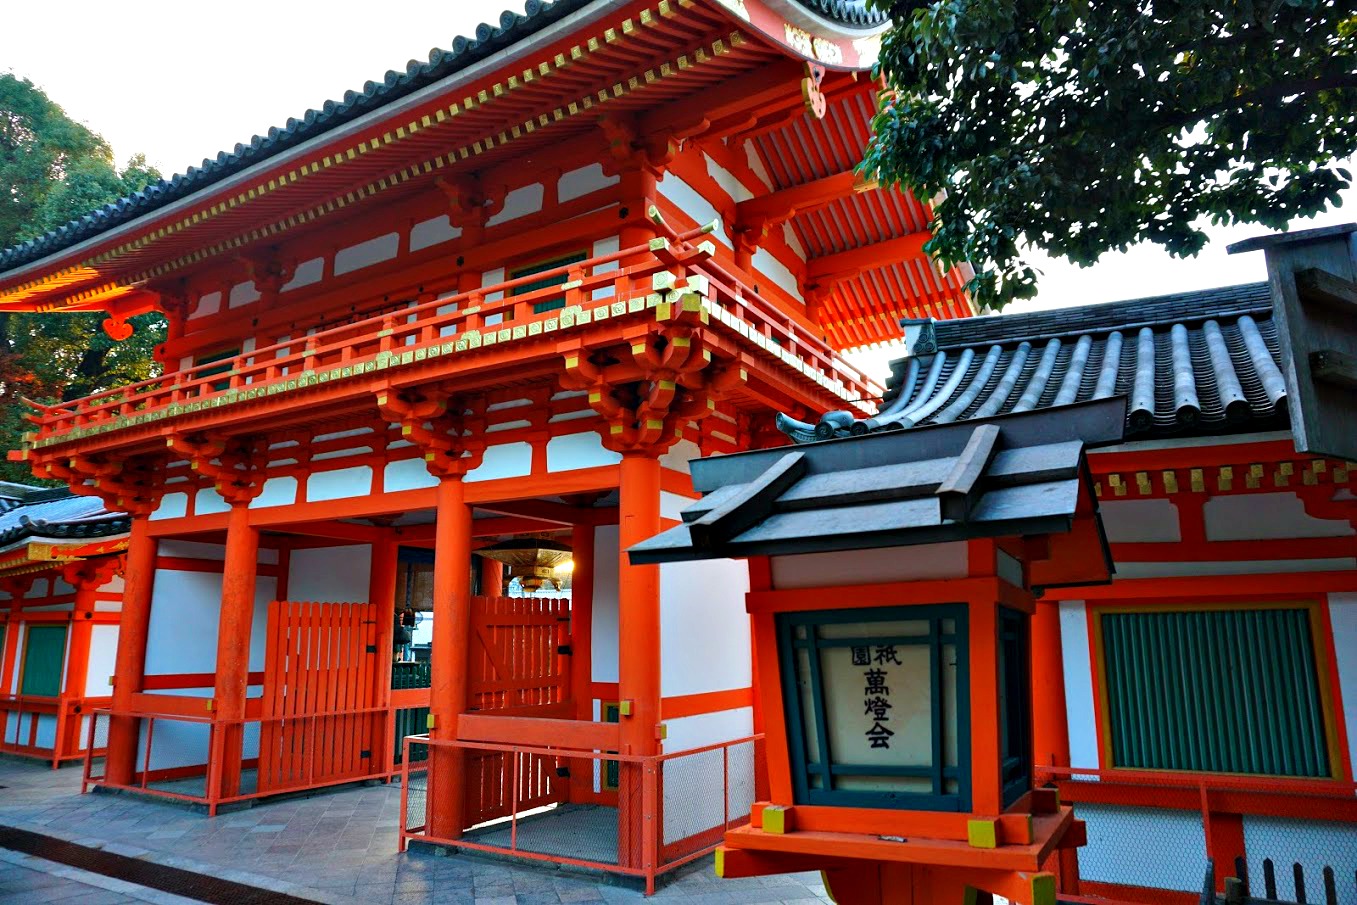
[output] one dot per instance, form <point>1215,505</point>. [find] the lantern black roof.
<point>1020,474</point>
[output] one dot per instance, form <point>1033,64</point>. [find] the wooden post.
<point>449,656</point>
<point>492,577</point>
<point>87,577</point>
<point>1050,728</point>
<point>581,647</point>
<point>139,579</point>
<point>382,594</point>
<point>638,629</point>
<point>233,647</point>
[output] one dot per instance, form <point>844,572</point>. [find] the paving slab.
<point>337,846</point>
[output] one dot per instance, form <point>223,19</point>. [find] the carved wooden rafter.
<point>678,383</point>
<point>91,574</point>
<point>236,465</point>
<point>133,485</point>
<point>448,429</point>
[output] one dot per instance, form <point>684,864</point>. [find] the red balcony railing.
<point>468,320</point>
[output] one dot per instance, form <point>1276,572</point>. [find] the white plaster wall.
<point>431,232</point>
<point>1078,684</point>
<point>1343,619</point>
<point>339,484</point>
<point>1313,844</point>
<point>679,455</point>
<point>102,661</point>
<point>813,570</point>
<point>673,504</point>
<point>407,474</point>
<point>577,183</point>
<point>1151,847</point>
<point>172,505</point>
<point>280,491</point>
<point>185,614</point>
<point>763,262</point>
<point>1140,521</point>
<point>582,450</point>
<point>207,304</point>
<point>1265,516</point>
<point>243,294</point>
<point>307,272</point>
<point>704,629</point>
<point>365,254</point>
<point>330,574</point>
<point>691,202</point>
<point>520,202</point>
<point>604,648</point>
<point>208,501</point>
<point>507,460</point>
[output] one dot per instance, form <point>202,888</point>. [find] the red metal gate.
<point>319,721</point>
<point>520,666</point>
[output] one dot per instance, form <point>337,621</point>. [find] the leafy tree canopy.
<point>54,170</point>
<point>1082,126</point>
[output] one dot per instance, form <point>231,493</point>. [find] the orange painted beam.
<point>845,264</point>
<point>541,733</point>
<point>780,206</point>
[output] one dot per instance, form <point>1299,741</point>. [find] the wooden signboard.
<point>1313,276</point>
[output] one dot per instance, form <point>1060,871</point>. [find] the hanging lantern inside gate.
<point>534,561</point>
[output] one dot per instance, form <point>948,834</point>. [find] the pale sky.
<point>180,82</point>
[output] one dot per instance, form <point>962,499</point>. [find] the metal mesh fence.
<point>1154,838</point>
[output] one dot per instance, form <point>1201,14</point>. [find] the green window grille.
<point>1015,704</point>
<point>552,304</point>
<point>611,781</point>
<point>1215,690</point>
<point>877,705</point>
<point>223,356</point>
<point>44,655</point>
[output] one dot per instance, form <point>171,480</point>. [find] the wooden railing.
<point>423,331</point>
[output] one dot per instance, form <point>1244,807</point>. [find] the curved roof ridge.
<point>512,28</point>
<point>1124,314</point>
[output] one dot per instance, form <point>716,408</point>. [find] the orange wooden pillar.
<point>449,656</point>
<point>492,577</point>
<point>382,594</point>
<point>581,647</point>
<point>233,649</point>
<point>1050,729</point>
<point>129,673</point>
<point>638,629</point>
<point>87,577</point>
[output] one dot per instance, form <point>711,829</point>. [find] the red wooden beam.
<point>847,264</point>
<point>780,206</point>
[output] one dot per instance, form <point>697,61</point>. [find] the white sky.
<point>180,82</point>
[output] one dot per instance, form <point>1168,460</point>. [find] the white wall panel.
<point>582,450</point>
<point>330,574</point>
<point>507,460</point>
<point>1078,684</point>
<point>704,629</point>
<point>102,661</point>
<point>339,484</point>
<point>604,646</point>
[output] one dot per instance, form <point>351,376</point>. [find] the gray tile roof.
<point>1019,474</point>
<point>57,514</point>
<point>847,12</point>
<point>489,39</point>
<point>1190,363</point>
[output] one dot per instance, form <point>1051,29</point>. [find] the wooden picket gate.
<point>520,666</point>
<point>321,686</point>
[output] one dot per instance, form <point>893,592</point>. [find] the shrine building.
<point>61,562</point>
<point>492,302</point>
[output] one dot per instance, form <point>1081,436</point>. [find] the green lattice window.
<point>552,304</point>
<point>44,656</point>
<point>1215,690</point>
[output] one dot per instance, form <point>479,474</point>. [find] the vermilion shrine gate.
<point>511,290</point>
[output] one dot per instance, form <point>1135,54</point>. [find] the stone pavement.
<point>337,847</point>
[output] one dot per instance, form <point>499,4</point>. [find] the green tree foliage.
<point>1082,126</point>
<point>54,170</point>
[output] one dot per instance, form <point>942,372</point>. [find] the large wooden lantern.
<point>894,577</point>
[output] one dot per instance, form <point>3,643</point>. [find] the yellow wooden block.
<point>721,863</point>
<point>1043,889</point>
<point>982,833</point>
<point>777,819</point>
<point>624,708</point>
